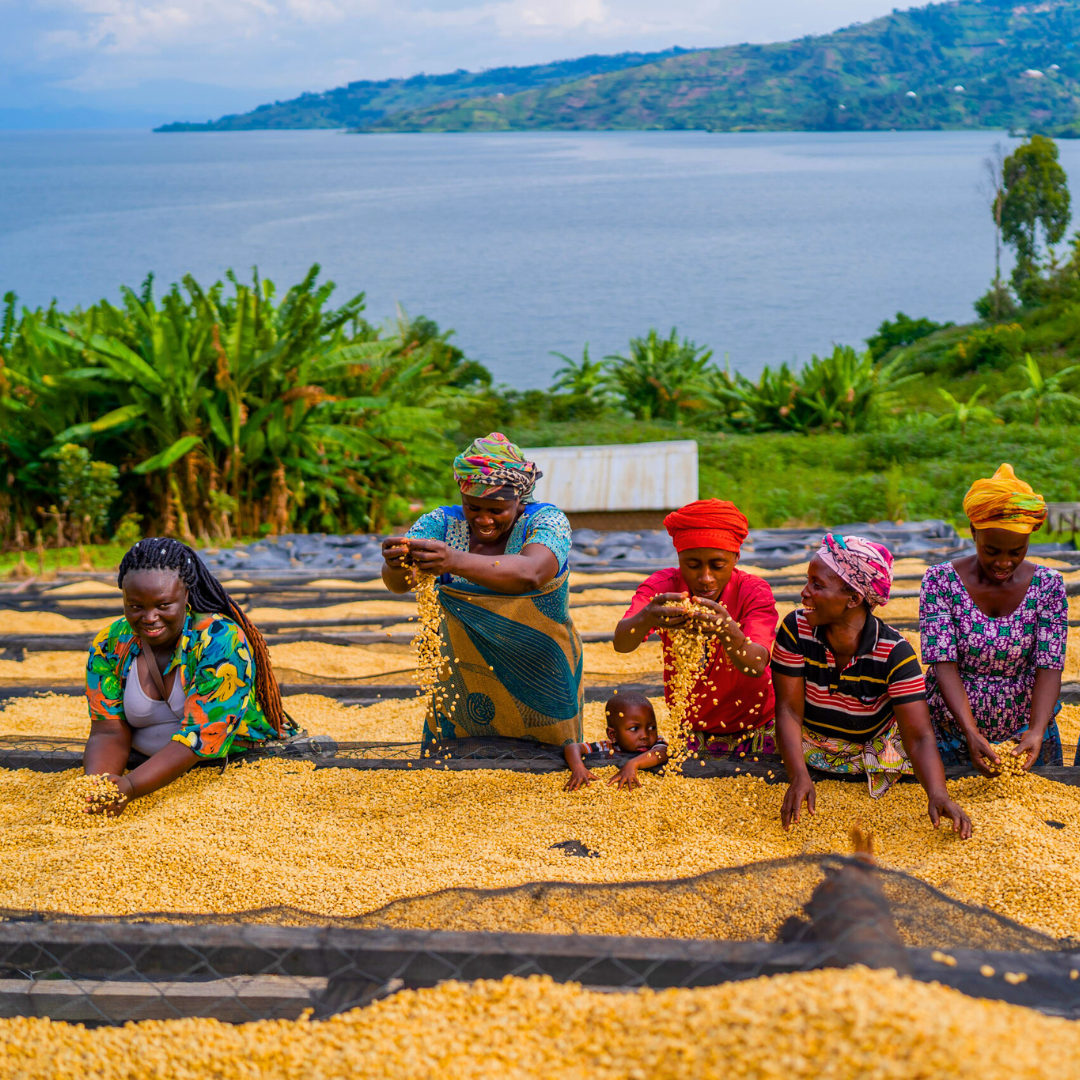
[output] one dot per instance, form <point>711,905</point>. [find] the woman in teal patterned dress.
<point>512,660</point>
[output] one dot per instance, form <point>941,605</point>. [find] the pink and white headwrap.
<point>861,564</point>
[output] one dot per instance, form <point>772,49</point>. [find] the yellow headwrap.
<point>1004,502</point>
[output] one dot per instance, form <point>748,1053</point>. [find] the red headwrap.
<point>707,523</point>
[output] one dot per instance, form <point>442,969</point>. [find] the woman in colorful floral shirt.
<point>994,628</point>
<point>182,677</point>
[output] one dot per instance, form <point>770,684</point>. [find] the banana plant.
<point>661,378</point>
<point>43,394</point>
<point>774,402</point>
<point>962,413</point>
<point>231,410</point>
<point>845,388</point>
<point>1042,394</point>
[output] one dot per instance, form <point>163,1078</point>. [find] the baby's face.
<point>632,727</point>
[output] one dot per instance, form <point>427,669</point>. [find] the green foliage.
<point>1036,198</point>
<point>231,412</point>
<point>996,303</point>
<point>1043,396</point>
<point>87,490</point>
<point>579,389</point>
<point>129,530</point>
<point>962,413</point>
<point>856,79</point>
<point>661,378</point>
<point>366,101</point>
<point>988,346</point>
<point>901,331</point>
<point>844,391</point>
<point>830,478</point>
<point>772,403</point>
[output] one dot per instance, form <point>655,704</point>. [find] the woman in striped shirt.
<point>849,690</point>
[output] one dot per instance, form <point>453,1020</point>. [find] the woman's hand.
<point>715,619</point>
<point>939,805</point>
<point>626,777</point>
<point>395,552</point>
<point>116,808</point>
<point>579,778</point>
<point>1029,746</point>
<point>432,556</point>
<point>662,612</point>
<point>982,753</point>
<point>800,790</point>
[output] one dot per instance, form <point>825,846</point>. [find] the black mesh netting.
<point>786,915</point>
<point>42,753</point>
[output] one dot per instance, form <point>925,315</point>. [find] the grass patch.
<point>829,479</point>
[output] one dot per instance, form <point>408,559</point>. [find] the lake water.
<point>767,247</point>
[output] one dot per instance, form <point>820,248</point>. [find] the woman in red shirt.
<point>732,706</point>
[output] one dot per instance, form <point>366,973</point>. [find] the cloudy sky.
<point>196,58</point>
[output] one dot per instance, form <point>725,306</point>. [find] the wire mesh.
<point>56,754</point>
<point>787,915</point>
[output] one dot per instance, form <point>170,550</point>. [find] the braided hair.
<point>206,595</point>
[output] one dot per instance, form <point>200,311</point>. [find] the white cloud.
<point>525,17</point>
<point>315,44</point>
<point>551,14</point>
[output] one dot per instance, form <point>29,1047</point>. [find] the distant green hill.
<point>992,64</point>
<point>366,102</point>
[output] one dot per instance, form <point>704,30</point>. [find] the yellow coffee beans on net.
<point>1010,766</point>
<point>346,842</point>
<point>848,1024</point>
<point>83,800</point>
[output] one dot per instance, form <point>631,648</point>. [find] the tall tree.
<point>1036,196</point>
<point>993,190</point>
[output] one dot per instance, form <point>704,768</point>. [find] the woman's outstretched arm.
<point>107,748</point>
<point>107,752</point>
<point>167,765</point>
<point>1044,699</point>
<point>790,705</point>
<point>510,574</point>
<point>660,613</point>
<point>956,701</point>
<point>917,735</point>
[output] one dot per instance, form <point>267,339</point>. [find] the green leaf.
<point>217,425</point>
<point>253,425</point>
<point>59,337</point>
<point>125,362</point>
<point>254,446</point>
<point>102,423</point>
<point>89,373</point>
<point>167,457</point>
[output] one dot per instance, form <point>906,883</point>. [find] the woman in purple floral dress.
<point>993,629</point>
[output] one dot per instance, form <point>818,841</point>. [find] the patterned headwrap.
<point>495,468</point>
<point>861,564</point>
<point>1004,502</point>
<point>707,523</point>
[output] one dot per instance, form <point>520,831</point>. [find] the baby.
<point>632,729</point>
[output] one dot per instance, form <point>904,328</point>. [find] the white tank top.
<point>153,723</point>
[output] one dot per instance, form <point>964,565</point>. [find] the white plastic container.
<point>622,477</point>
